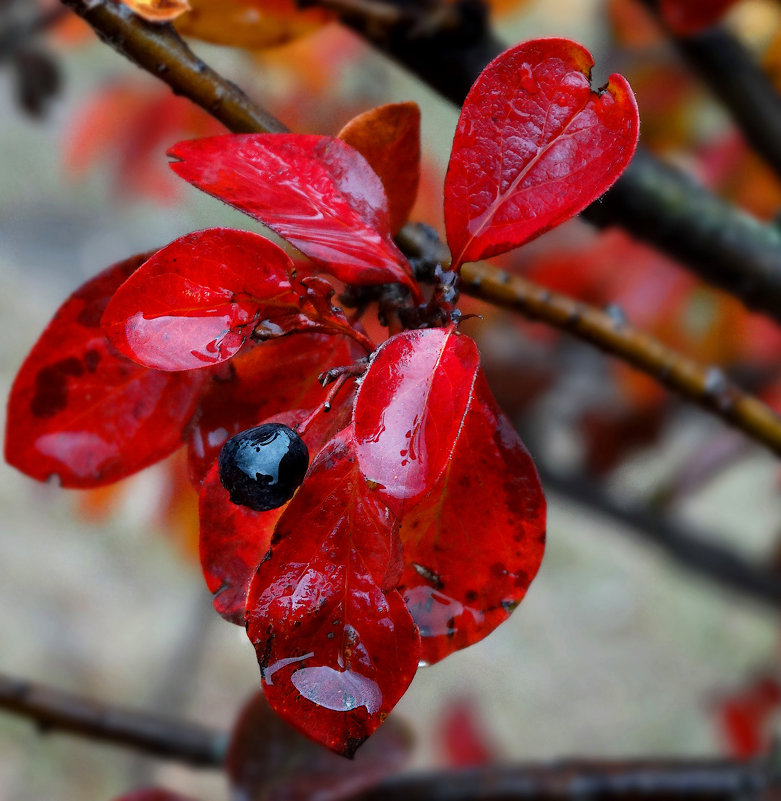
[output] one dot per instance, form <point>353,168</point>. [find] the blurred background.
<point>618,650</point>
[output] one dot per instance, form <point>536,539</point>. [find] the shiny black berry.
<point>262,466</point>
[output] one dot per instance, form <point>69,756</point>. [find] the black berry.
<point>262,466</point>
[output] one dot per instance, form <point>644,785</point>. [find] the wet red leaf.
<point>388,137</point>
<point>234,538</point>
<point>336,645</point>
<point>474,543</point>
<point>534,146</point>
<point>263,381</point>
<point>195,302</point>
<point>688,17</point>
<point>315,191</point>
<point>410,408</point>
<point>268,760</point>
<point>80,411</point>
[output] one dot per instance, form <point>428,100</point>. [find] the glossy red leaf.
<point>336,645</point>
<point>233,538</point>
<point>195,302</point>
<point>410,408</point>
<point>689,17</point>
<point>270,378</point>
<point>475,542</point>
<point>534,145</point>
<point>268,760</point>
<point>83,413</point>
<point>388,137</point>
<point>315,191</point>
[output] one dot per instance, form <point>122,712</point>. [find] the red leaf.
<point>268,759</point>
<point>315,191</point>
<point>474,543</point>
<point>689,17</point>
<point>534,146</point>
<point>80,411</point>
<point>409,410</point>
<point>234,538</point>
<point>266,380</point>
<point>195,302</point>
<point>337,648</point>
<point>388,137</point>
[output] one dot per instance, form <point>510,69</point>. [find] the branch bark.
<point>689,548</point>
<point>53,710</point>
<point>706,386</point>
<point>159,50</point>
<point>690,780</point>
<point>567,781</point>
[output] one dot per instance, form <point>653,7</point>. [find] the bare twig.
<point>53,710</point>
<point>689,548</point>
<point>592,781</point>
<point>570,781</point>
<point>160,51</point>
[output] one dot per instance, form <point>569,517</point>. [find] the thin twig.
<point>53,710</point>
<point>159,50</point>
<point>586,781</point>
<point>689,548</point>
<point>708,387</point>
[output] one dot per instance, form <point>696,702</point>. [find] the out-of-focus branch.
<point>689,548</point>
<point>159,50</point>
<point>735,78</point>
<point>53,710</point>
<point>567,781</point>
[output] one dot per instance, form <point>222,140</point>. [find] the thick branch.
<point>160,51</point>
<point>591,781</point>
<point>54,710</point>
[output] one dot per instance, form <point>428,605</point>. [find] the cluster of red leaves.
<point>420,522</point>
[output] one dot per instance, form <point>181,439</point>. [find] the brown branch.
<point>162,737</point>
<point>654,779</point>
<point>159,50</point>
<point>689,548</point>
<point>708,387</point>
<point>592,781</point>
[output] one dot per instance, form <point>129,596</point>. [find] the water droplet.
<point>528,81</point>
